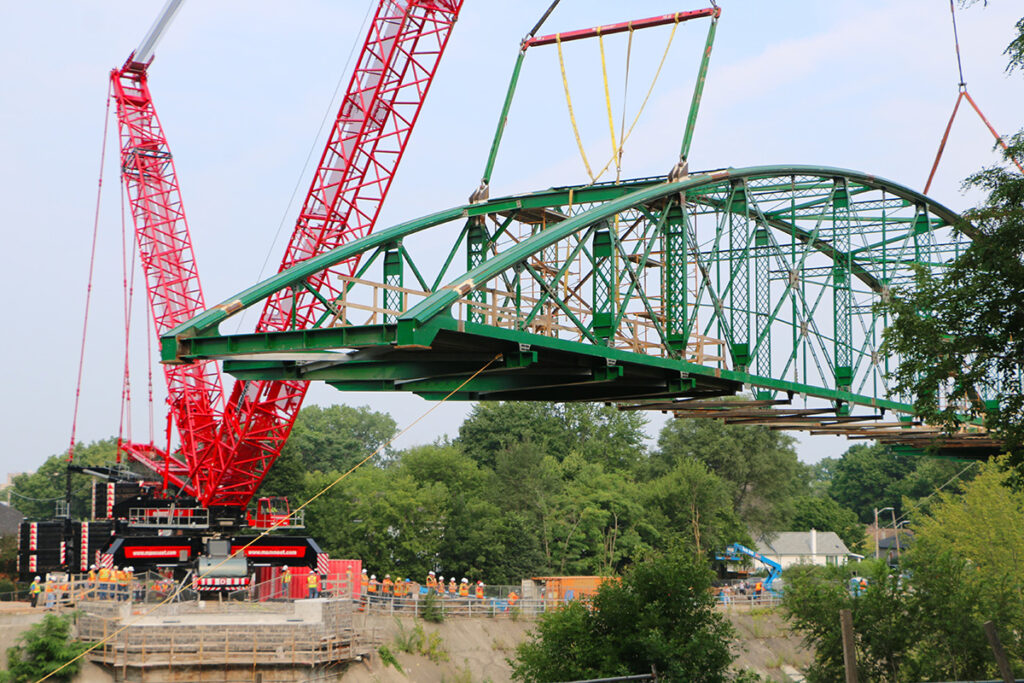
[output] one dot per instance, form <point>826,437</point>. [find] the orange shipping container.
<point>566,588</point>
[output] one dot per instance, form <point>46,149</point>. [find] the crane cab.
<point>273,512</point>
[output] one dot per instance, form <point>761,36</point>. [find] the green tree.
<point>659,616</point>
<point>760,465</point>
<point>958,334</point>
<point>337,437</point>
<point>602,434</point>
<point>975,535</point>
<point>867,477</point>
<point>963,569</point>
<point>42,649</point>
<point>825,514</point>
<point>886,633</point>
<point>34,494</point>
<point>691,505</point>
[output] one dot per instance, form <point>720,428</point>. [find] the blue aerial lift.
<point>734,552</point>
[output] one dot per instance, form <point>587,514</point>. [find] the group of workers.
<point>389,588</point>
<point>103,583</point>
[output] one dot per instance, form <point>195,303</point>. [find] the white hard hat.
<point>373,576</point>
<point>464,580</point>
<point>38,579</point>
<point>364,571</point>
<point>387,576</point>
<point>92,567</point>
<point>441,577</point>
<point>431,573</point>
<point>130,569</point>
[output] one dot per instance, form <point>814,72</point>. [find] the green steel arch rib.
<point>760,283</point>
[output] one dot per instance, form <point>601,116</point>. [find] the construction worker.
<point>453,588</point>
<point>34,590</point>
<point>464,588</point>
<point>50,593</point>
<point>479,590</point>
<point>371,588</point>
<point>312,584</point>
<point>91,588</point>
<point>286,583</point>
<point>431,581</point>
<point>513,597</point>
<point>758,589</point>
<point>364,585</point>
<point>399,587</point>
<point>103,576</point>
<point>440,585</point>
<point>387,587</point>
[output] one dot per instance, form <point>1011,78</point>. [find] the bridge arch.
<point>759,281</point>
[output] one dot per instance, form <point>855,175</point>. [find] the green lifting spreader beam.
<point>675,18</point>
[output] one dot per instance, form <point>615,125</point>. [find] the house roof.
<point>10,520</point>
<point>799,543</point>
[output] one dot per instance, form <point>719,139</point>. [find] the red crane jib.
<point>228,449</point>
<point>195,395</point>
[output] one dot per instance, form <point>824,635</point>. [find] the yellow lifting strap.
<point>617,146</point>
<point>568,102</point>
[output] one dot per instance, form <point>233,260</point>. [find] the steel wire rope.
<point>963,94</point>
<point>309,155</point>
<point>937,490</point>
<point>171,596</point>
<point>92,265</point>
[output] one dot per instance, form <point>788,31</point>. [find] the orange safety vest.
<point>364,583</point>
<point>453,587</point>
<point>372,587</point>
<point>759,587</point>
<point>431,582</point>
<point>104,574</point>
<point>388,586</point>
<point>286,578</point>
<point>463,590</point>
<point>512,597</point>
<point>479,592</point>
<point>311,580</point>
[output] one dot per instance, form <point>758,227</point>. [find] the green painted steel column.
<point>738,286</point>
<point>394,299</point>
<point>842,296</point>
<point>762,300</point>
<point>604,285</point>
<point>476,247</point>
<point>698,91</point>
<point>502,120</point>
<point>675,291</point>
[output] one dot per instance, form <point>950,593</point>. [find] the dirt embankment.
<point>470,650</point>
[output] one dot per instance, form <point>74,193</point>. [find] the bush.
<point>44,648</point>
<point>430,609</point>
<point>659,616</point>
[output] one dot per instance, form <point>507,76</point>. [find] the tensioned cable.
<point>925,500</point>
<point>88,289</point>
<point>276,525</point>
<point>312,149</point>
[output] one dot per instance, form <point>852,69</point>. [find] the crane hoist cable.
<point>616,150</point>
<point>963,94</point>
<point>88,287</point>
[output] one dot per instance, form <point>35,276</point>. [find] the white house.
<point>804,547</point>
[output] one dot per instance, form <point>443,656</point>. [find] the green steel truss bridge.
<point>745,294</point>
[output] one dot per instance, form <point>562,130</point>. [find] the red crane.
<point>227,449</point>
<point>194,391</point>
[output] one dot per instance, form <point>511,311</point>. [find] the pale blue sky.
<point>241,88</point>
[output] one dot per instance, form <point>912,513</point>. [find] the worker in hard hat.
<point>286,583</point>
<point>364,585</point>
<point>103,577</point>
<point>312,585</point>
<point>464,588</point>
<point>453,588</point>
<point>387,587</point>
<point>479,590</point>
<point>35,589</point>
<point>440,585</point>
<point>372,587</point>
<point>431,581</point>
